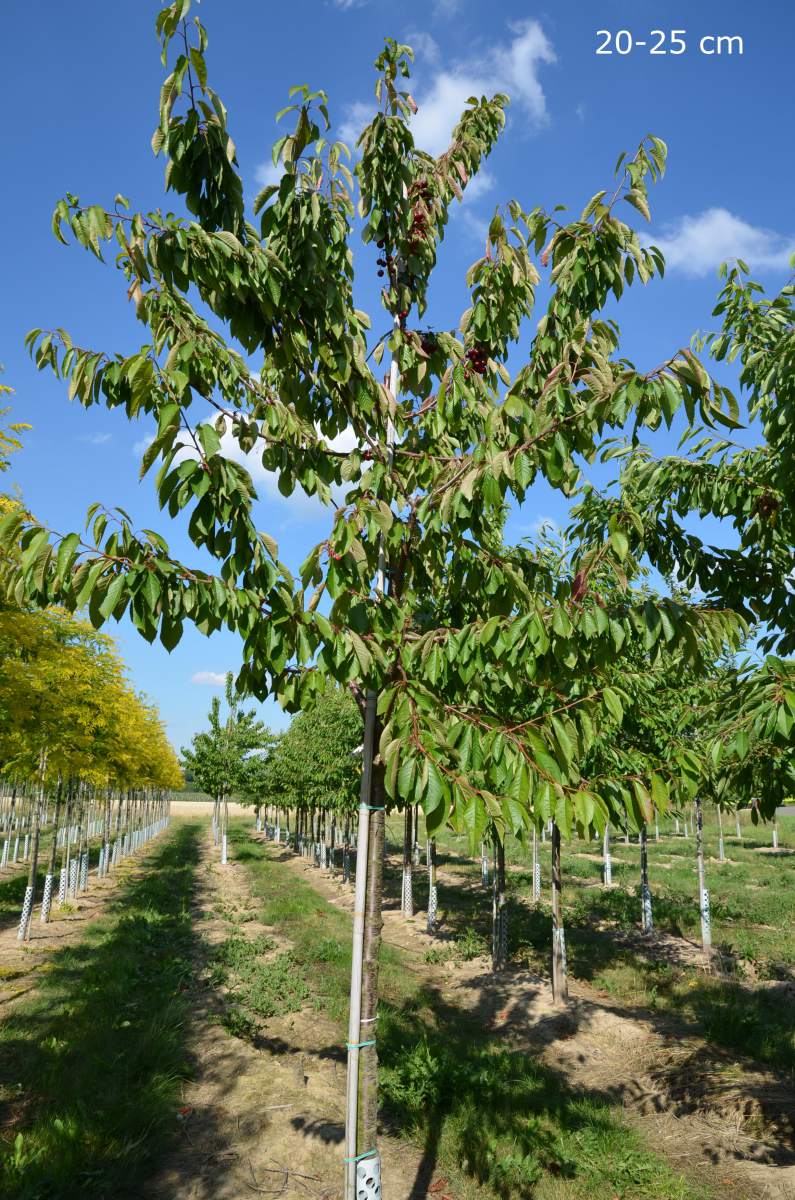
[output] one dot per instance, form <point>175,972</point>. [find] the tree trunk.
<point>499,915</point>
<point>407,890</point>
<point>647,923</point>
<point>30,891</point>
<point>703,894</point>
<point>48,879</point>
<point>607,861</point>
<point>433,896</point>
<point>536,868</point>
<point>373,924</point>
<point>721,847</point>
<point>560,984</point>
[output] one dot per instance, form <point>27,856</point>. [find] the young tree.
<point>217,757</point>
<point>438,452</point>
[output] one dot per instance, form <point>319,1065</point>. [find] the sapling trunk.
<point>499,914</point>
<point>560,983</point>
<point>346,850</point>
<point>738,826</point>
<point>647,923</point>
<point>433,897</point>
<point>407,890</point>
<point>703,894</point>
<point>536,868</point>
<point>373,923</point>
<point>30,891</point>
<point>48,879</point>
<point>721,848</point>
<point>607,861</point>
<point>775,834</point>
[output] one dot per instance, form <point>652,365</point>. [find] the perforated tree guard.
<point>645,904</point>
<point>433,904</point>
<point>368,1178</point>
<point>46,900</point>
<point>24,920</point>
<point>407,893</point>
<point>608,869</point>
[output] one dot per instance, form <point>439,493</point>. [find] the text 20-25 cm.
<point>671,41</point>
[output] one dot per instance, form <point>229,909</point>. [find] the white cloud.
<point>97,439</point>
<point>423,45</point>
<point>446,8</point>
<point>510,67</point>
<point>210,678</point>
<point>698,244</point>
<point>477,226</point>
<point>483,182</point>
<point>266,173</point>
<point>267,482</point>
<point>357,115</point>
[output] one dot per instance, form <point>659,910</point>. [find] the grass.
<point>753,926</point>
<point>12,888</point>
<point>258,984</point>
<point>492,1121</point>
<point>91,1067</point>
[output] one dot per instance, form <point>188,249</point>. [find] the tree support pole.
<point>357,957</point>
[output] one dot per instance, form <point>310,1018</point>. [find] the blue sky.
<point>80,102</point>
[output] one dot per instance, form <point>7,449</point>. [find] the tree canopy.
<point>434,460</point>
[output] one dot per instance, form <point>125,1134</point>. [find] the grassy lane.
<point>753,910</point>
<point>90,1069</point>
<point>491,1120</point>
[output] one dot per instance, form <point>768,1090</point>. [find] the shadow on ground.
<point>90,1068</point>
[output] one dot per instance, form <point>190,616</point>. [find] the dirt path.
<point>710,1114</point>
<point>267,1117</point>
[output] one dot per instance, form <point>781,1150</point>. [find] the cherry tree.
<point>409,601</point>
